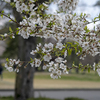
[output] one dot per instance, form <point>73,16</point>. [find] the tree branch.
<point>93,21</point>
<point>10,18</point>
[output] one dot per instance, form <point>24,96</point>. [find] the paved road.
<point>88,94</point>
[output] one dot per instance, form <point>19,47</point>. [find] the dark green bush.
<point>7,98</point>
<point>72,98</point>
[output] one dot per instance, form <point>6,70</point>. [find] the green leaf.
<point>74,14</point>
<point>12,4</point>
<point>95,18</point>
<point>82,69</point>
<point>88,70</point>
<point>75,50</point>
<point>7,59</point>
<point>86,29</point>
<point>69,51</point>
<point>1,16</point>
<point>84,14</point>
<point>17,32</point>
<point>31,60</point>
<point>10,29</point>
<point>2,11</point>
<point>80,48</point>
<point>99,16</point>
<point>81,15</point>
<point>10,20</point>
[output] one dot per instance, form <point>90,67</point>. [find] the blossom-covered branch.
<point>60,26</point>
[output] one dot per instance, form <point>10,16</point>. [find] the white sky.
<point>88,2</point>
<point>89,9</point>
<point>52,8</point>
<point>84,6</point>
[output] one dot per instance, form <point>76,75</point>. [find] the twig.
<point>10,18</point>
<point>14,20</point>
<point>93,21</point>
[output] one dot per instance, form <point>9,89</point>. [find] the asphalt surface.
<point>87,94</point>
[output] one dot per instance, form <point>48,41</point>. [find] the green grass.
<point>9,75</point>
<point>40,98</point>
<point>12,98</point>
<point>92,76</point>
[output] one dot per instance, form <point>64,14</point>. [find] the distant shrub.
<point>41,98</point>
<point>7,98</point>
<point>72,98</point>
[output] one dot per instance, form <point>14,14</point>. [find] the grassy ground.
<point>43,80</point>
<point>11,98</point>
<point>92,76</point>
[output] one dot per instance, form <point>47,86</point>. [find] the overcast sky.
<point>88,2</point>
<point>88,8</point>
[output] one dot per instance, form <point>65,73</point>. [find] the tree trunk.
<point>24,78</point>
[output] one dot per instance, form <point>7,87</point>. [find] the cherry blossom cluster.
<point>67,5</point>
<point>10,64</point>
<point>60,26</point>
<point>96,67</point>
<point>21,6</point>
<point>47,52</point>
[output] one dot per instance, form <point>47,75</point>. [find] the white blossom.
<point>33,52</point>
<point>5,35</point>
<point>62,66</point>
<point>65,71</point>
<point>32,64</point>
<point>65,53</point>
<point>59,46</point>
<point>50,46</point>
<point>37,62</point>
<point>59,59</point>
<point>47,57</point>
<point>17,70</point>
<point>10,69</point>
<point>44,67</point>
<point>98,71</point>
<point>54,76</point>
<point>51,63</point>
<point>51,69</point>
<point>17,62</point>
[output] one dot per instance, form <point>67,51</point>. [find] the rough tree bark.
<point>24,79</point>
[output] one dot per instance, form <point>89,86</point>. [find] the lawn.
<point>92,76</point>
<point>11,98</point>
<point>41,98</point>
<point>43,80</point>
